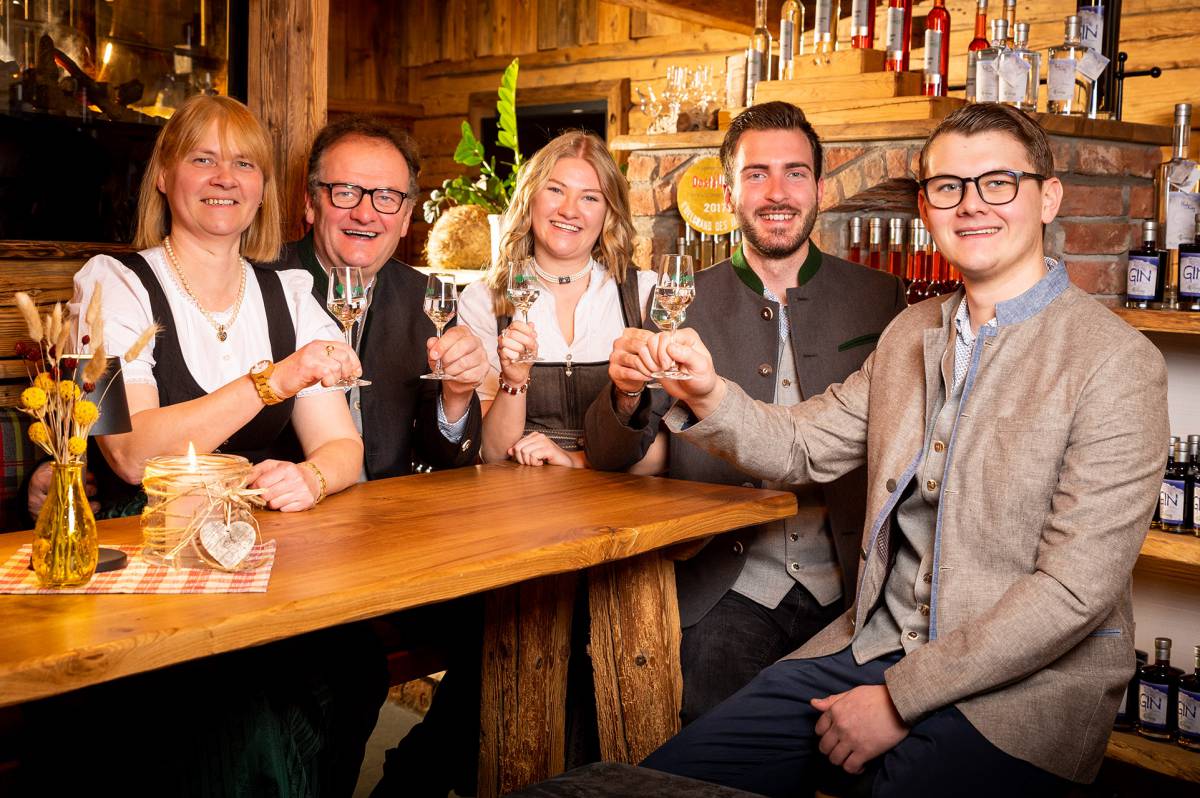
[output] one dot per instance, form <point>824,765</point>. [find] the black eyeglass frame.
<point>365,192</point>
<point>1015,173</point>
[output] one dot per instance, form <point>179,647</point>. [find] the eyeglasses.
<point>994,188</point>
<point>348,195</point>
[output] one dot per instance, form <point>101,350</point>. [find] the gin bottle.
<point>1019,72</point>
<point>1177,496</point>
<point>1189,273</point>
<point>1158,694</point>
<point>987,64</point>
<point>1144,278</point>
<point>1189,707</point>
<point>1067,88</point>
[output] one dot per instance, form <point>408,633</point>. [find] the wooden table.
<point>522,533</point>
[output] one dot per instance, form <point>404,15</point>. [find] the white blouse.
<point>212,363</point>
<point>598,323</point>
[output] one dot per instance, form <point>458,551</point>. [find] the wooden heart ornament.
<point>227,544</point>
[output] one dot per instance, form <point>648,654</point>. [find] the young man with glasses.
<point>1012,435</point>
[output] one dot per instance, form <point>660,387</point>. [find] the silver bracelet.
<point>631,394</point>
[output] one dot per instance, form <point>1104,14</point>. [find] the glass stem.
<point>437,367</point>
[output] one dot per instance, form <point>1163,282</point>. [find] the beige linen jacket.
<point>1054,466</point>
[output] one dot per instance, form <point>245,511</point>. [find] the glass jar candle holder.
<point>196,515</point>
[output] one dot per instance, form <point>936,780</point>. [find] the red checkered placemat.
<point>140,576</point>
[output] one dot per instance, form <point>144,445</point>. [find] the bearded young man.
<point>785,321</point>
<point>1012,433</point>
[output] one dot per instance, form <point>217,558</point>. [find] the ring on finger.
<point>329,350</point>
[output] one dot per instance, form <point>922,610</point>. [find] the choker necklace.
<point>222,329</point>
<point>554,278</point>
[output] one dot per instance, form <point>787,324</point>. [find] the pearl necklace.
<point>222,329</point>
<point>554,278</point>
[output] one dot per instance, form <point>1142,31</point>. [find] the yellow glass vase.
<point>65,547</point>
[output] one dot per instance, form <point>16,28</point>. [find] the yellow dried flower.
<point>44,381</point>
<point>33,398</point>
<point>86,413</point>
<point>39,434</point>
<point>76,445</point>
<point>68,390</point>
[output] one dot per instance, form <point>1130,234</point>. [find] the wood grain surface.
<point>376,548</point>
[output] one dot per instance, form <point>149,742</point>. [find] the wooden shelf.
<point>1171,321</point>
<point>1165,758</point>
<point>1170,555</point>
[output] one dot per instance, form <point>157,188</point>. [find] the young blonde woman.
<point>570,214</point>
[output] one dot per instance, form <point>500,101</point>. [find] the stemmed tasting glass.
<point>675,290</point>
<point>346,298</point>
<point>523,290</point>
<point>441,303</point>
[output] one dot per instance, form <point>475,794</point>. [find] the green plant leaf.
<point>506,107</point>
<point>469,151</point>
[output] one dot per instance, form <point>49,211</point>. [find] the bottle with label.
<point>855,253</point>
<point>937,50</point>
<point>897,257</point>
<point>1189,707</point>
<point>825,30</point>
<point>1176,498</point>
<point>721,249</point>
<point>1091,35</point>
<point>791,38</point>
<point>1189,273</point>
<point>980,42</point>
<point>875,246</point>
<point>862,24</point>
<point>987,64</point>
<point>1174,183</point>
<point>1156,522</point>
<point>1127,713</point>
<point>1193,444</point>
<point>1067,88</point>
<point>706,251</point>
<point>1020,69</point>
<point>898,37</point>
<point>939,272</point>
<point>758,55</point>
<point>918,259</point>
<point>1158,694</point>
<point>1144,279</point>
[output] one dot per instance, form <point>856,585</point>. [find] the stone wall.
<point>1108,191</point>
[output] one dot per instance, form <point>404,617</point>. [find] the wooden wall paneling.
<point>524,27</point>
<point>484,14</point>
<point>639,27</point>
<point>502,26</point>
<point>456,41</point>
<point>732,15</point>
<point>612,23</point>
<point>548,24</point>
<point>587,21</point>
<point>568,35</point>
<point>288,88</point>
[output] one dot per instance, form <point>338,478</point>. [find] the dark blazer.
<point>836,317</point>
<point>399,409</point>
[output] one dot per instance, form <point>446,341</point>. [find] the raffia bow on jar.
<point>199,513</point>
<point>65,548</point>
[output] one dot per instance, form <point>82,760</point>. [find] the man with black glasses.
<point>1012,434</point>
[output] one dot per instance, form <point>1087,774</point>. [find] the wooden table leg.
<point>526,647</point>
<point>635,655</point>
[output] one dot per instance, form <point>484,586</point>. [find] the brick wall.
<point>1108,191</point>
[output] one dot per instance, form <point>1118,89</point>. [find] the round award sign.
<point>700,194</point>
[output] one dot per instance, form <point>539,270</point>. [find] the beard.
<point>777,247</point>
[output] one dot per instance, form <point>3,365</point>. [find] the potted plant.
<point>489,191</point>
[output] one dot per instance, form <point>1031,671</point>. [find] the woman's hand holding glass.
<point>327,362</point>
<point>523,291</point>
<point>517,347</point>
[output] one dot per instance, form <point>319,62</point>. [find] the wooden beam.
<point>288,89</point>
<point>731,15</point>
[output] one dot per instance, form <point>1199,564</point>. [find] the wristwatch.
<point>261,372</point>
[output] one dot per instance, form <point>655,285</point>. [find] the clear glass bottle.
<point>1147,266</point>
<point>1189,707</point>
<point>1189,273</point>
<point>978,43</point>
<point>937,50</point>
<point>862,24</point>
<point>1020,70</point>
<point>1170,189</point>
<point>1091,35</point>
<point>1010,16</point>
<point>825,30</point>
<point>758,55</point>
<point>987,64</point>
<point>1067,89</point>
<point>898,37</point>
<point>791,38</point>
<point>1158,694</point>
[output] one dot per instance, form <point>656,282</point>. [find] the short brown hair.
<point>367,127</point>
<point>971,120</point>
<point>776,115</point>
<point>263,238</point>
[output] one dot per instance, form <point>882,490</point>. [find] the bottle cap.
<point>856,228</point>
<point>1072,28</point>
<point>1162,644</point>
<point>1181,453</point>
<point>1149,231</point>
<point>1009,3</point>
<point>999,29</point>
<point>1193,439</point>
<point>1022,35</point>
<point>1183,113</point>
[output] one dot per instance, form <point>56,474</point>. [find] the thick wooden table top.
<point>376,548</point>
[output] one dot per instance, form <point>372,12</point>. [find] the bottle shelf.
<point>1165,758</point>
<point>1170,555</point>
<point>1172,321</point>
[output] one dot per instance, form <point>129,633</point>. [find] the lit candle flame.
<point>193,465</point>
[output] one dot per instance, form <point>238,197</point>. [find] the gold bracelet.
<point>320,481</point>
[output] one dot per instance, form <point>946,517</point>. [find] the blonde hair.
<point>262,240</point>
<point>614,246</point>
